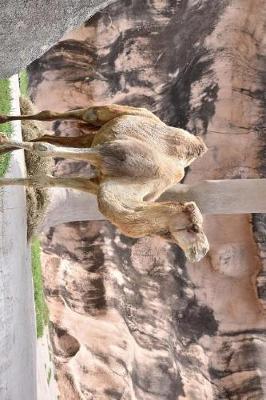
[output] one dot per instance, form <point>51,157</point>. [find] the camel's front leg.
<point>65,141</point>
<point>44,149</point>
<point>7,144</point>
<point>79,183</point>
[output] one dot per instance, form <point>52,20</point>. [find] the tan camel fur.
<point>137,157</point>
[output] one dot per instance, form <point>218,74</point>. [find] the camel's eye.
<point>193,228</point>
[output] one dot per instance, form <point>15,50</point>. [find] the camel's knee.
<point>43,149</point>
<point>45,115</point>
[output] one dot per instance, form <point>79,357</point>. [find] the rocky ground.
<point>130,318</point>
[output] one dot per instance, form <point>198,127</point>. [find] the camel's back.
<point>136,146</point>
<point>167,140</point>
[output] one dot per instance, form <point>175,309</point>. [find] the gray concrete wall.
<point>29,28</point>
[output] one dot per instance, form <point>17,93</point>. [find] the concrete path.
<point>17,316</point>
<point>47,388</point>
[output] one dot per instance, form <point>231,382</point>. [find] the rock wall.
<point>131,319</point>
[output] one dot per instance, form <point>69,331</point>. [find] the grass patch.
<point>41,309</point>
<point>23,83</point>
<point>5,107</point>
<point>49,376</point>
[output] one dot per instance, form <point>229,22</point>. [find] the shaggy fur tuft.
<point>37,198</point>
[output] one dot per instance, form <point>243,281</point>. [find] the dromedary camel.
<point>138,157</point>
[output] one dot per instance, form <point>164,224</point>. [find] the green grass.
<point>23,83</point>
<point>41,309</point>
<point>5,107</point>
<point>49,376</point>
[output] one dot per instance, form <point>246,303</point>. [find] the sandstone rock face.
<point>131,319</point>
<point>29,28</point>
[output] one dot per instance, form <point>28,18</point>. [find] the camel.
<point>137,157</point>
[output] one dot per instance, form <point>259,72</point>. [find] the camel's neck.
<point>122,204</point>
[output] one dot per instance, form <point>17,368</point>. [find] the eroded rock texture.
<point>131,319</point>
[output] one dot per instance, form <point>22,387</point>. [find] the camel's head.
<point>186,230</point>
<point>194,243</point>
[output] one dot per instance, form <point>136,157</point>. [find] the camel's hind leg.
<point>45,116</point>
<point>65,141</point>
<point>44,149</point>
<point>96,116</point>
<point>79,183</point>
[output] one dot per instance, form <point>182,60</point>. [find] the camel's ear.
<point>202,148</point>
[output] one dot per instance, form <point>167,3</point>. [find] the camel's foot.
<point>3,139</point>
<point>4,118</point>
